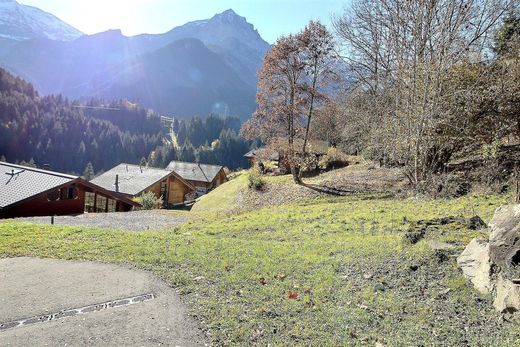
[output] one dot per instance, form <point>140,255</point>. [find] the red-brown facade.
<point>72,198</point>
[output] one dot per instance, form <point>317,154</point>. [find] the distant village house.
<point>27,192</point>
<point>203,176</point>
<point>133,180</point>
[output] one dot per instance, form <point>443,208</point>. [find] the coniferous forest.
<point>68,135</point>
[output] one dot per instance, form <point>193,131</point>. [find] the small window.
<point>68,193</point>
<point>54,195</point>
<point>112,205</point>
<point>101,204</point>
<point>164,187</point>
<point>89,202</point>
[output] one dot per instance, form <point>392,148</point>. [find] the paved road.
<point>34,288</point>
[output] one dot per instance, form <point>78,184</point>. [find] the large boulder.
<point>507,297</point>
<point>475,265</point>
<point>494,266</point>
<point>504,240</point>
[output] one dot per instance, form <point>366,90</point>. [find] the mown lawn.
<point>328,271</point>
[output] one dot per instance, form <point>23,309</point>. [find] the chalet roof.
<point>272,152</point>
<point>262,152</point>
<point>194,171</point>
<point>18,182</point>
<point>133,179</point>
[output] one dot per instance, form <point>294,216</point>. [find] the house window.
<point>101,203</point>
<point>68,193</point>
<point>112,205</point>
<point>53,196</point>
<point>164,188</point>
<point>89,202</point>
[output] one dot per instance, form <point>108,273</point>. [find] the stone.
<point>504,240</point>
<point>445,291</point>
<point>507,298</point>
<point>442,246</point>
<point>476,223</point>
<point>378,287</point>
<point>494,266</point>
<point>475,264</point>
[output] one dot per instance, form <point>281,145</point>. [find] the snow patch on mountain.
<point>20,22</point>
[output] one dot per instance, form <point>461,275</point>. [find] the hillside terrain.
<point>42,130</point>
<point>310,270</point>
<point>185,72</point>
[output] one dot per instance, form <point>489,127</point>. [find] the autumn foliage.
<point>293,84</point>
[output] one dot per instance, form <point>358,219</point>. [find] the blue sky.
<point>272,18</point>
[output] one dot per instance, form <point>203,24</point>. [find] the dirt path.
<point>47,302</point>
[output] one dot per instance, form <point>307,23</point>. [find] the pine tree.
<point>2,158</point>
<point>31,163</point>
<point>88,174</point>
<point>143,162</point>
<point>507,38</point>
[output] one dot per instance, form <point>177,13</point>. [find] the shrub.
<point>446,186</point>
<point>255,179</point>
<point>148,201</point>
<point>333,159</point>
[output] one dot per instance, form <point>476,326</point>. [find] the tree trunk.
<point>311,109</point>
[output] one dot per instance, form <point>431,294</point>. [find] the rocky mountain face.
<point>202,67</point>
<point>20,22</point>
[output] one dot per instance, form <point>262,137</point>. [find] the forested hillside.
<point>53,130</point>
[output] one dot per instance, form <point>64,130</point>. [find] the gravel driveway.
<point>133,221</point>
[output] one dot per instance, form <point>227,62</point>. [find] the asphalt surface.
<point>32,289</point>
<point>133,221</point>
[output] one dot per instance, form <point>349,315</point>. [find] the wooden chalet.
<point>133,180</point>
<point>277,152</point>
<point>29,192</point>
<point>203,176</point>
<point>261,154</point>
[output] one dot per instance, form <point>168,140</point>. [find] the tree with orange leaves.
<point>292,81</point>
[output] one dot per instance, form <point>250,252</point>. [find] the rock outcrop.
<point>475,265</point>
<point>493,265</point>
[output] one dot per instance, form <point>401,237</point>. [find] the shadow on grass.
<point>367,194</point>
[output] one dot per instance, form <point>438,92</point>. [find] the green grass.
<point>344,257</point>
<point>223,198</point>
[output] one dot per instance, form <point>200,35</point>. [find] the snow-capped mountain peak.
<point>20,22</point>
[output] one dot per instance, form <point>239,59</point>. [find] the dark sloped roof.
<point>18,182</point>
<point>250,154</point>
<point>133,179</point>
<point>194,171</point>
<point>263,152</point>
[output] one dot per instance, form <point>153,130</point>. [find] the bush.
<point>446,186</point>
<point>334,159</point>
<point>148,201</point>
<point>255,179</point>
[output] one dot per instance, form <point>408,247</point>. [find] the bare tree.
<point>319,59</point>
<point>399,51</point>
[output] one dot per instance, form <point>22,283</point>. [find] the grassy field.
<point>326,271</point>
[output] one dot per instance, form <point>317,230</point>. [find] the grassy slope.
<point>236,271</point>
<point>223,197</point>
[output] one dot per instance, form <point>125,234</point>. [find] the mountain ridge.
<point>21,22</point>
<point>73,68</point>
